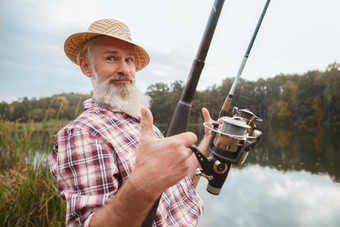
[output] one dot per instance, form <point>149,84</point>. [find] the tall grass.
<point>27,189</point>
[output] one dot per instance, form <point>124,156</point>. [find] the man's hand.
<point>161,163</point>
<point>203,146</point>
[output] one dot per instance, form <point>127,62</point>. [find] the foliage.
<point>62,106</point>
<point>311,98</point>
<point>28,195</point>
<point>28,198</point>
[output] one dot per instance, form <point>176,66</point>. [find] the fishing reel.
<point>231,140</point>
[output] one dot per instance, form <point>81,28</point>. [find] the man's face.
<point>111,58</point>
<point>111,66</point>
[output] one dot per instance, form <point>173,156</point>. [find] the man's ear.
<point>85,66</point>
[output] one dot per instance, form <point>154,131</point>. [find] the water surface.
<point>263,196</point>
<point>290,179</point>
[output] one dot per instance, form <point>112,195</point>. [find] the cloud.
<point>261,196</point>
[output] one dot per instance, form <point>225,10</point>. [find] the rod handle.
<point>226,106</point>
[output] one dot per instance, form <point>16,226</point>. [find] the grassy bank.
<point>28,194</point>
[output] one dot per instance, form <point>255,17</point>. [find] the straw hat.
<point>108,27</point>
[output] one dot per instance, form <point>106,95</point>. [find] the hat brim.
<point>74,42</point>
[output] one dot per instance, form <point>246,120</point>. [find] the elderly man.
<point>111,164</point>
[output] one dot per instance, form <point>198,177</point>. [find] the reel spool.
<point>231,140</point>
<point>230,135</point>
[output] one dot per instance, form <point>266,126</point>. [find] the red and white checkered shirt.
<point>95,154</point>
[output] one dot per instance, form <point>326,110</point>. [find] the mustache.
<point>121,77</point>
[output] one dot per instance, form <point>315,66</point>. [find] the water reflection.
<point>291,178</point>
<point>263,196</point>
<point>316,151</point>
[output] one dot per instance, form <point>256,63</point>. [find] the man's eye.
<point>110,58</point>
<point>129,60</point>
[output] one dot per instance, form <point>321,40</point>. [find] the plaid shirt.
<point>95,154</point>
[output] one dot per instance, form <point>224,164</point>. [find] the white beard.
<point>126,97</point>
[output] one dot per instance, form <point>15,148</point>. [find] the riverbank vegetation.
<point>27,189</point>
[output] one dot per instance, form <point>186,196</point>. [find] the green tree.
<point>160,102</point>
<point>305,94</point>
<point>4,110</point>
<point>289,95</point>
<point>318,112</point>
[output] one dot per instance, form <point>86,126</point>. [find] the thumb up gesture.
<point>161,163</point>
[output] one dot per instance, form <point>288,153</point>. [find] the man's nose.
<point>123,68</point>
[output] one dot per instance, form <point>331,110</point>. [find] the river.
<point>290,179</point>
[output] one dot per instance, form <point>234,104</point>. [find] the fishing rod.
<point>232,137</point>
<point>180,119</point>
<point>228,100</point>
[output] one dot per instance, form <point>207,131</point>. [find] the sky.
<point>296,36</point>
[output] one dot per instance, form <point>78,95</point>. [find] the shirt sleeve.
<point>180,205</point>
<point>85,169</point>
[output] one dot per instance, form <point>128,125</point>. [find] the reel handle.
<point>216,167</point>
<point>213,170</point>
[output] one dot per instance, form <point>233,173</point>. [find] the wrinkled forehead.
<point>104,42</point>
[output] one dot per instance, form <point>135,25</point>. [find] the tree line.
<point>310,98</point>
<point>64,106</point>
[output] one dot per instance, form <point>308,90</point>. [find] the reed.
<point>27,189</point>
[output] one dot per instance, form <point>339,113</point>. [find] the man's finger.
<point>185,138</point>
<point>206,115</point>
<point>146,122</point>
<point>207,120</point>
